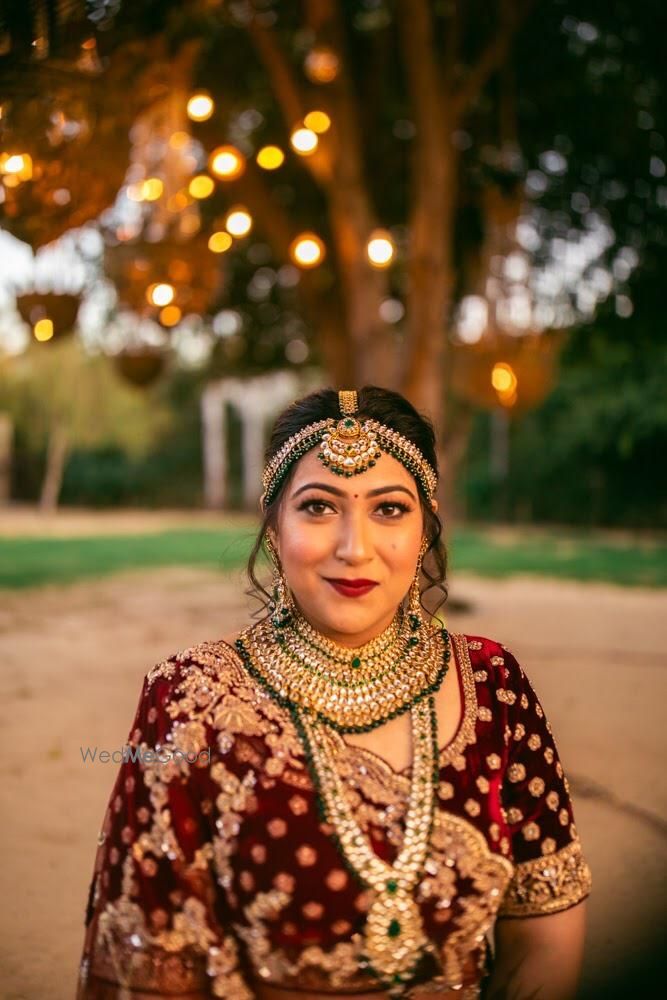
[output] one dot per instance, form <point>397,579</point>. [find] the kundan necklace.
<point>325,685</point>
<point>351,690</point>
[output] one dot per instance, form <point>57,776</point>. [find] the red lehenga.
<point>214,877</point>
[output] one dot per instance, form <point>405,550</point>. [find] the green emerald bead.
<point>356,661</point>
<point>392,885</point>
<point>394,929</point>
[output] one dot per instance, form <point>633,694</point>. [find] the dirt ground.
<point>73,659</point>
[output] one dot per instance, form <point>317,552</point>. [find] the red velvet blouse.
<point>216,875</point>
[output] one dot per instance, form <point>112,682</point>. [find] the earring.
<point>414,606</point>
<point>281,606</point>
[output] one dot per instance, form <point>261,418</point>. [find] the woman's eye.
<point>401,508</point>
<point>319,505</point>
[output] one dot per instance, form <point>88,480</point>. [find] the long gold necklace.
<point>328,686</point>
<point>394,933</point>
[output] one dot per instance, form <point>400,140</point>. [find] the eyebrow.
<point>341,493</point>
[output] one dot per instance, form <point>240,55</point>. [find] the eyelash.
<point>403,507</point>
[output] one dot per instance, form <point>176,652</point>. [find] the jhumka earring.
<point>281,605</point>
<point>414,606</point>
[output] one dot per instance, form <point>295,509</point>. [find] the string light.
<point>227,163</point>
<point>170,315</point>
<point>304,141</point>
<point>270,157</point>
<point>322,64</point>
<point>238,221</point>
<point>43,329</point>
<point>201,186</point>
<point>380,248</point>
<point>307,250</point>
<point>505,382</point>
<point>160,294</point>
<point>200,107</point>
<point>17,166</point>
<point>219,242</point>
<point>318,121</point>
<point>152,189</point>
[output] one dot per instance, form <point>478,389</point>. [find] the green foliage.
<point>27,562</point>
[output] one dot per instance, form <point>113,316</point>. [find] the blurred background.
<point>209,208</point>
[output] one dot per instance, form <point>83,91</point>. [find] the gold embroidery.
<point>531,831</point>
<point>548,884</point>
<point>536,787</point>
<point>516,772</point>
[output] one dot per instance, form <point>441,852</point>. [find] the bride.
<point>343,798</point>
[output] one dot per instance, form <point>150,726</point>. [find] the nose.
<point>353,544</point>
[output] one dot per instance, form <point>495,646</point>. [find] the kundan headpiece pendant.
<point>348,447</point>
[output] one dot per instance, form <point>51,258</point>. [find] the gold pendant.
<point>394,934</point>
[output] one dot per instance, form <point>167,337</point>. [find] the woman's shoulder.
<point>493,659</point>
<point>209,662</point>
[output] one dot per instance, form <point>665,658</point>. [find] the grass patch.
<point>30,561</point>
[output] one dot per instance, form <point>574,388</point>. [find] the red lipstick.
<point>352,588</point>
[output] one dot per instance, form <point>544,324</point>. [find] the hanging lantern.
<point>140,365</point>
<point>50,315</point>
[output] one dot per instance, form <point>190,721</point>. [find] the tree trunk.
<point>56,458</point>
<point>6,435</point>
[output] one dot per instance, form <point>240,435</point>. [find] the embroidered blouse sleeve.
<point>156,920</point>
<point>551,873</point>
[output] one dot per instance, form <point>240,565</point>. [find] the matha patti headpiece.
<point>348,447</point>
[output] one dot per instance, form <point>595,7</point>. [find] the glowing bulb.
<point>14,164</point>
<point>307,250</point>
<point>200,107</point>
<point>321,64</point>
<point>160,294</point>
<point>318,121</point>
<point>270,157</point>
<point>304,141</point>
<point>152,189</point>
<point>43,329</point>
<point>380,248</point>
<point>503,379</point>
<point>227,163</point>
<point>219,242</point>
<point>201,186</point>
<point>17,166</point>
<point>238,222</point>
<point>170,315</point>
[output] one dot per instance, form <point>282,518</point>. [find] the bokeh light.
<point>160,294</point>
<point>303,141</point>
<point>238,221</point>
<point>380,248</point>
<point>321,64</point>
<point>219,242</point>
<point>170,315</point>
<point>270,157</point>
<point>200,107</point>
<point>227,163</point>
<point>43,329</point>
<point>201,186</point>
<point>307,250</point>
<point>317,121</point>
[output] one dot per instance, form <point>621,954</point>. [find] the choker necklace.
<point>353,690</point>
<point>327,686</point>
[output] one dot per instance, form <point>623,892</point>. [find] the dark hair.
<point>387,407</point>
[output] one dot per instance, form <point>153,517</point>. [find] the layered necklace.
<point>328,686</point>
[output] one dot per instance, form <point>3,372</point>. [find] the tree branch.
<point>511,14</point>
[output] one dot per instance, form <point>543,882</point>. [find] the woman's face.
<point>366,528</point>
